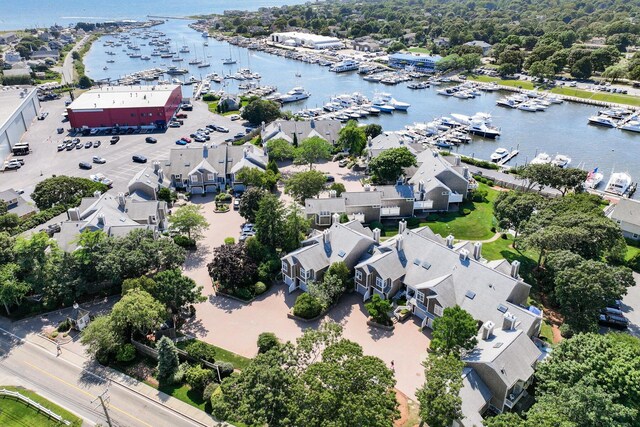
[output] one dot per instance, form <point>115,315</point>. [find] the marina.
<point>565,131</point>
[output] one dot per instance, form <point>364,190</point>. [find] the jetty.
<point>509,157</point>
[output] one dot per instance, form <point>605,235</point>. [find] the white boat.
<point>541,159</point>
<point>594,178</point>
<point>602,121</point>
<point>561,161</point>
<point>507,102</point>
<point>399,105</point>
<point>204,65</point>
<point>528,106</point>
<point>343,66</point>
<point>295,94</point>
<point>632,126</point>
<point>480,128</point>
<point>619,183</point>
<point>228,61</point>
<point>381,106</point>
<point>499,154</point>
<point>445,92</point>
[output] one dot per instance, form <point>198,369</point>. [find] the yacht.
<point>632,126</point>
<point>602,121</point>
<point>528,106</point>
<point>507,102</point>
<point>372,78</point>
<point>481,129</point>
<point>176,71</point>
<point>619,183</point>
<point>380,105</point>
<point>343,66</point>
<point>446,92</point>
<point>499,154</point>
<point>228,61</point>
<point>295,94</point>
<point>561,161</point>
<point>541,159</point>
<point>594,178</point>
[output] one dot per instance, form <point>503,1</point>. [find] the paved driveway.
<point>236,326</point>
<point>631,306</point>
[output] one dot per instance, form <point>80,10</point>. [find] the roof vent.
<point>464,254</point>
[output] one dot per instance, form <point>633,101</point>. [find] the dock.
<point>509,157</point>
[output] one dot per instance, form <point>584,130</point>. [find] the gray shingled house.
<point>627,214</point>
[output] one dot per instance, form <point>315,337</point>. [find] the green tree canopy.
<point>513,208</point>
<point>137,311</point>
<point>439,397</point>
<point>389,164</point>
<point>311,150</point>
<point>261,110</point>
<point>454,332</point>
<point>249,203</point>
<point>280,149</point>
<point>65,190</point>
<point>189,219</point>
<point>175,290</point>
<point>254,177</point>
<point>167,360</point>
<point>270,221</point>
<point>352,138</point>
<point>304,185</point>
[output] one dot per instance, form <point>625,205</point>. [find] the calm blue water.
<point>40,13</point>
<point>561,129</point>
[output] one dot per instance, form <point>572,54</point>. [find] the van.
<point>20,150</point>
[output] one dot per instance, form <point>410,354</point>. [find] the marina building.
<point>125,106</point>
<point>313,41</point>
<point>627,215</point>
<point>423,63</point>
<point>18,108</point>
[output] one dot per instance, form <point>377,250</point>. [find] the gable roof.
<point>223,159</point>
<point>475,395</point>
<point>627,210</point>
<point>326,129</point>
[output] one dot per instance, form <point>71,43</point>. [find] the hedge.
<point>39,218</point>
<point>480,163</point>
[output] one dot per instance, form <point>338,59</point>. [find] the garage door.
<point>29,113</point>
<point>5,150</point>
<point>196,190</point>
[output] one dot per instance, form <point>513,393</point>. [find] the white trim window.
<point>379,283</point>
<point>420,297</point>
<point>193,178</point>
<point>303,273</point>
<point>437,310</point>
<point>211,177</point>
<point>285,267</point>
<point>359,275</point>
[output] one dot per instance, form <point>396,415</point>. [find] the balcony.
<point>422,204</point>
<point>455,198</point>
<point>513,398</point>
<point>390,211</point>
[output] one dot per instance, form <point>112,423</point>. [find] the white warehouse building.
<point>18,108</point>
<point>313,41</point>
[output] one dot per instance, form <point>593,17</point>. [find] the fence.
<point>153,353</point>
<point>48,412</point>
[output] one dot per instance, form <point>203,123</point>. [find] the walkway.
<point>67,70</point>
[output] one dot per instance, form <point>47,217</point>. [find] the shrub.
<point>267,341</point>
<point>201,350</point>
<point>480,195</point>
<point>413,222</point>
<point>307,306</point>
<point>489,182</point>
<point>197,377</point>
<point>54,334</point>
<point>208,391</point>
<point>184,242</point>
<point>226,369</point>
<point>378,309</point>
<point>504,236</point>
<point>376,224</point>
<point>126,353</point>
<point>634,263</point>
<point>344,218</point>
<point>259,288</point>
<point>480,163</point>
<point>209,97</point>
<point>243,293</point>
<point>229,240</point>
<point>64,326</point>
<point>224,197</point>
<point>178,376</point>
<point>566,331</point>
<point>493,229</point>
<point>465,212</point>
<point>433,217</point>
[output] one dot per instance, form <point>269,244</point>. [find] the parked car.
<point>618,322</point>
<point>330,178</point>
<point>137,158</point>
<point>84,165</point>
<point>200,138</point>
<point>79,146</point>
<point>181,142</point>
<point>612,311</point>
<point>99,160</point>
<point>186,107</point>
<point>114,139</point>
<point>222,129</point>
<point>235,117</point>
<point>342,163</point>
<point>174,124</point>
<point>62,147</point>
<point>53,228</point>
<point>94,131</point>
<point>96,144</point>
<point>236,204</point>
<point>185,139</point>
<point>247,228</point>
<point>60,131</point>
<point>70,147</point>
<point>150,140</point>
<point>12,165</point>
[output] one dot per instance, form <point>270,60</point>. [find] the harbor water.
<point>560,129</point>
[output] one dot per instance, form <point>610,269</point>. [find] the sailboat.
<point>204,63</point>
<point>195,61</point>
<point>229,60</point>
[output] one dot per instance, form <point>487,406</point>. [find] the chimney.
<point>74,214</point>
<point>421,185</point>
<point>376,235</point>
<point>151,219</point>
<point>156,166</point>
<point>369,139</point>
<point>279,126</point>
<point>101,219</point>
<point>399,243</point>
<point>312,123</point>
<point>333,194</point>
<point>205,151</point>
<point>508,321</point>
<point>160,175</point>
<point>367,187</point>
<point>245,152</point>
<point>515,269</point>
<point>477,250</point>
<point>335,218</point>
<point>464,254</point>
<point>487,330</point>
<point>457,161</point>
<point>326,236</point>
<point>121,200</point>
<point>262,126</point>
<point>97,194</point>
<point>402,225</point>
<point>449,241</point>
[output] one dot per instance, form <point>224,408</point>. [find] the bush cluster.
<point>39,218</point>
<point>307,306</point>
<point>184,241</point>
<point>201,350</point>
<point>126,353</point>
<point>260,288</point>
<point>480,163</point>
<point>484,180</point>
<point>198,377</point>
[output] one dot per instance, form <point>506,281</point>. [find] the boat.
<point>603,121</point>
<point>343,66</point>
<point>177,60</point>
<point>204,65</point>
<point>632,126</point>
<point>295,94</point>
<point>445,92</point>
<point>110,61</point>
<point>593,179</point>
<point>499,154</point>
<point>443,144</point>
<point>228,61</point>
<point>619,183</point>
<point>105,68</point>
<point>176,71</point>
<point>528,106</point>
<point>507,102</point>
<point>145,58</point>
<point>205,34</point>
<point>541,159</point>
<point>480,128</point>
<point>561,161</point>
<point>372,78</point>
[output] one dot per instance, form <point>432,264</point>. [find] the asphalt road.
<point>76,389</point>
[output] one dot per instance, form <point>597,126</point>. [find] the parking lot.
<point>45,161</point>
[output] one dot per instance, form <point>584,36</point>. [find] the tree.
<point>311,150</point>
<point>379,308</point>
<point>64,190</point>
<point>352,138</point>
<point>176,291</point>
<point>279,149</point>
<point>439,397</point>
<point>232,267</point>
<point>6,248</point>
<point>389,164</point>
<point>267,341</point>
<point>338,187</point>
<point>296,227</point>
<point>542,69</point>
<point>269,223</point>
<point>583,290</point>
<point>454,332</point>
<point>261,110</point>
<point>304,185</point>
<point>512,209</point>
<point>328,291</point>
<point>101,338</point>
<point>614,72</point>
<point>12,290</point>
<point>188,219</point>
<point>249,203</point>
<point>137,311</point>
<point>167,360</point>
<point>470,61</point>
<point>167,195</point>
<point>9,222</point>
<point>84,82</point>
<point>396,46</point>
<point>582,69</point>
<point>372,130</point>
<point>144,283</point>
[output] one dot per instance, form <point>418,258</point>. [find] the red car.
<point>185,139</point>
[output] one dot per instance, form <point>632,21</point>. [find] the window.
<point>193,178</point>
<point>420,297</point>
<point>303,273</point>
<point>285,267</point>
<point>358,275</point>
<point>379,282</point>
<point>445,193</point>
<point>211,177</point>
<point>437,310</point>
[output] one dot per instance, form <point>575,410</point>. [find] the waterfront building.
<point>125,106</point>
<point>486,47</point>
<point>626,213</point>
<point>313,41</point>
<point>424,63</point>
<point>18,108</point>
<point>328,130</point>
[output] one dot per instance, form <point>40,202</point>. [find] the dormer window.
<point>193,178</point>
<point>379,282</point>
<point>420,297</point>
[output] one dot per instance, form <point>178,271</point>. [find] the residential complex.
<point>627,214</point>
<point>312,41</point>
<point>423,63</point>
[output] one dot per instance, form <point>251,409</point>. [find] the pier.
<point>509,157</point>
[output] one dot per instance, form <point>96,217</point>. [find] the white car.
<point>99,160</point>
<point>235,117</point>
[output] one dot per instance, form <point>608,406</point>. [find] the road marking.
<point>111,406</point>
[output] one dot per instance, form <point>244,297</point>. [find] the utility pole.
<point>104,405</point>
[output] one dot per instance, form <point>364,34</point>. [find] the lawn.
<point>503,249</point>
<point>598,96</point>
<point>222,355</point>
<point>419,50</point>
<point>184,393</point>
<point>513,83</point>
<point>16,413</point>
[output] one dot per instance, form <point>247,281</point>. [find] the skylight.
<point>502,308</point>
<point>426,265</point>
<point>341,254</point>
<point>416,261</point>
<point>470,294</point>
